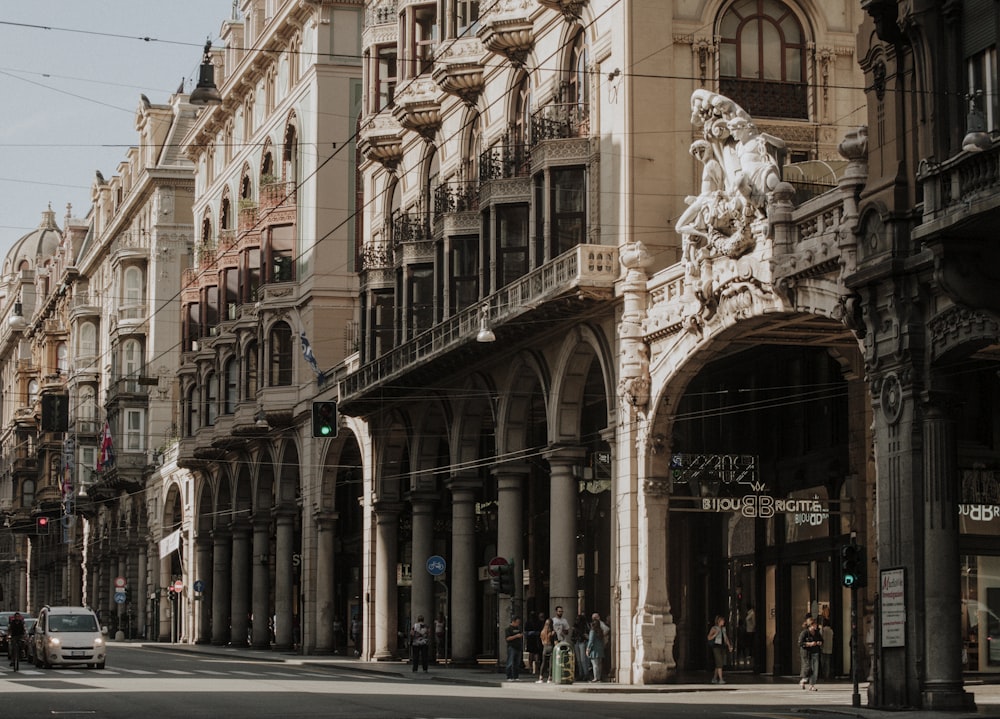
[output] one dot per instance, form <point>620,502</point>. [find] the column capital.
<point>325,518</point>
<point>463,483</point>
<point>423,500</point>
<point>384,508</point>
<point>520,469</point>
<point>566,455</point>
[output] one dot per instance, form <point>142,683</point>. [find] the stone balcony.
<point>458,69</point>
<point>508,30</point>
<point>587,273</point>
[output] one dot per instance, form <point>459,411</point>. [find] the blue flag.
<point>307,352</point>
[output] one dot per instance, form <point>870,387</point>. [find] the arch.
<point>204,508</point>
<point>289,482</point>
<point>393,460</point>
<point>267,164</point>
<point>471,413</point>
<point>431,446</point>
<point>579,350</point>
<point>526,377</point>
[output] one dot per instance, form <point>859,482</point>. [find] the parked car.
<point>69,635</point>
<point>4,621</point>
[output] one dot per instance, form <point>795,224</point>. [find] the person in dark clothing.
<point>533,642</point>
<point>515,647</point>
<point>811,640</point>
<point>419,639</point>
<point>15,635</point>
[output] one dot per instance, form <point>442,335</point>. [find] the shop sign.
<point>892,586</point>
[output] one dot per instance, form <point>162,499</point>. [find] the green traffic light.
<point>326,430</point>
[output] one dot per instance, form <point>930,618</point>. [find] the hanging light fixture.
<point>976,138</point>
<point>485,333</point>
<point>206,93</point>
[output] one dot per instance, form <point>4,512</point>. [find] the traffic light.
<point>55,412</point>
<point>41,525</point>
<point>853,572</point>
<point>324,418</point>
<point>507,579</point>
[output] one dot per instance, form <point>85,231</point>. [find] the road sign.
<point>119,597</point>
<point>178,586</point>
<point>495,564</point>
<point>199,586</point>
<point>119,582</point>
<point>436,565</point>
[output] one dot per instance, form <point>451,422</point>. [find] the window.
<point>383,309</point>
<point>231,291</point>
<point>568,203</point>
<point>192,327</point>
<point>86,413</point>
<point>132,293</point>
<point>210,308</point>
<point>762,59</point>
<point>191,416</point>
<point>464,272</point>
<point>231,375</point>
<point>280,342</point>
<point>512,240</point>
<point>250,275</point>
<point>135,424</point>
<point>211,394</point>
<point>466,17</point>
<point>226,214</point>
<point>27,493</point>
<point>420,297</point>
<point>85,469</point>
<point>131,363</point>
<point>386,77</point>
<point>578,83</point>
<point>87,346</point>
<point>32,391</point>
<point>250,371</point>
<point>983,86</point>
<point>62,358</point>
<point>425,35</point>
<point>281,254</point>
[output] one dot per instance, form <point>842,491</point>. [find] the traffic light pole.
<point>856,696</point>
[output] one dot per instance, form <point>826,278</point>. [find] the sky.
<point>71,76</point>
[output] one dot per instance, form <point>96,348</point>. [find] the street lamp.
<point>206,93</point>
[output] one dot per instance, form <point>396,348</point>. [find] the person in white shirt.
<point>560,625</point>
<point>419,635</point>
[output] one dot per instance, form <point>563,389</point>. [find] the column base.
<point>947,697</point>
<point>653,639</point>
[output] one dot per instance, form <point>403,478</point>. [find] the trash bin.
<point>563,663</point>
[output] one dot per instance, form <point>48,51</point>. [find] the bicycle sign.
<point>436,565</point>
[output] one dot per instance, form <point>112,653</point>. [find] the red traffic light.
<point>41,525</point>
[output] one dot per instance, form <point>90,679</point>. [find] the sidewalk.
<point>487,675</point>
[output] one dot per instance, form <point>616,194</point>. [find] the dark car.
<point>4,621</point>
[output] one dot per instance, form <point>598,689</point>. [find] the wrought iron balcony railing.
<point>560,121</point>
<point>459,196</point>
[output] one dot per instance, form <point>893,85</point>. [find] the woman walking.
<point>595,649</point>
<point>547,638</point>
<point>718,640</point>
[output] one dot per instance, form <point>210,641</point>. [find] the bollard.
<point>563,663</point>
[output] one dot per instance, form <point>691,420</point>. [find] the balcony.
<point>458,70</point>
<point>505,174</point>
<point>456,209</point>
<point>382,141</point>
<point>557,290</point>
<point>277,194</point>
<point>418,109</point>
<point>376,256</point>
<point>84,305</point>
<point>128,390</point>
<point>507,29</point>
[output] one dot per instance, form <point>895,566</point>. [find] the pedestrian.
<point>595,648</point>
<point>419,637</point>
<point>803,654</point>
<point>579,634</point>
<point>515,647</point>
<point>338,632</point>
<point>811,640</point>
<point>826,656</point>
<point>15,635</point>
<point>547,639</point>
<point>719,642</point>
<point>439,635</point>
<point>356,634</point>
<point>533,642</point>
<point>560,625</point>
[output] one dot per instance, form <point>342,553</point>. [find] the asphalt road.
<point>151,683</point>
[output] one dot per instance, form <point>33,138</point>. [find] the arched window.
<point>522,111</point>
<point>762,59</point>
<point>87,346</point>
<point>131,363</point>
<point>290,154</point>
<point>578,82</point>
<point>226,213</point>
<point>32,391</point>
<point>231,379</point>
<point>211,395</point>
<point>280,341</point>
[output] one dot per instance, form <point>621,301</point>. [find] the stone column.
<point>165,609</point>
<point>283,581</point>
<point>422,589</point>
<point>461,619</point>
<point>510,539</point>
<point>326,532</point>
<point>562,527</point>
<point>654,628</point>
<point>240,599</point>
<point>222,583</point>
<point>261,602</point>
<point>386,559</point>
<point>203,571</point>
<point>138,591</point>
<point>942,609</point>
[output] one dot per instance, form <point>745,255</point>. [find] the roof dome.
<point>40,243</point>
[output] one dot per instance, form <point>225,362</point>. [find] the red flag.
<point>106,455</point>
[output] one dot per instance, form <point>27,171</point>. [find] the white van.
<point>69,635</point>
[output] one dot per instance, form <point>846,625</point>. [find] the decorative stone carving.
<point>507,29</point>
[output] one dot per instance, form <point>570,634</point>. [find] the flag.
<point>307,352</point>
<point>106,454</point>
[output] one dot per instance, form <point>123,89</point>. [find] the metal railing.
<point>560,121</point>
